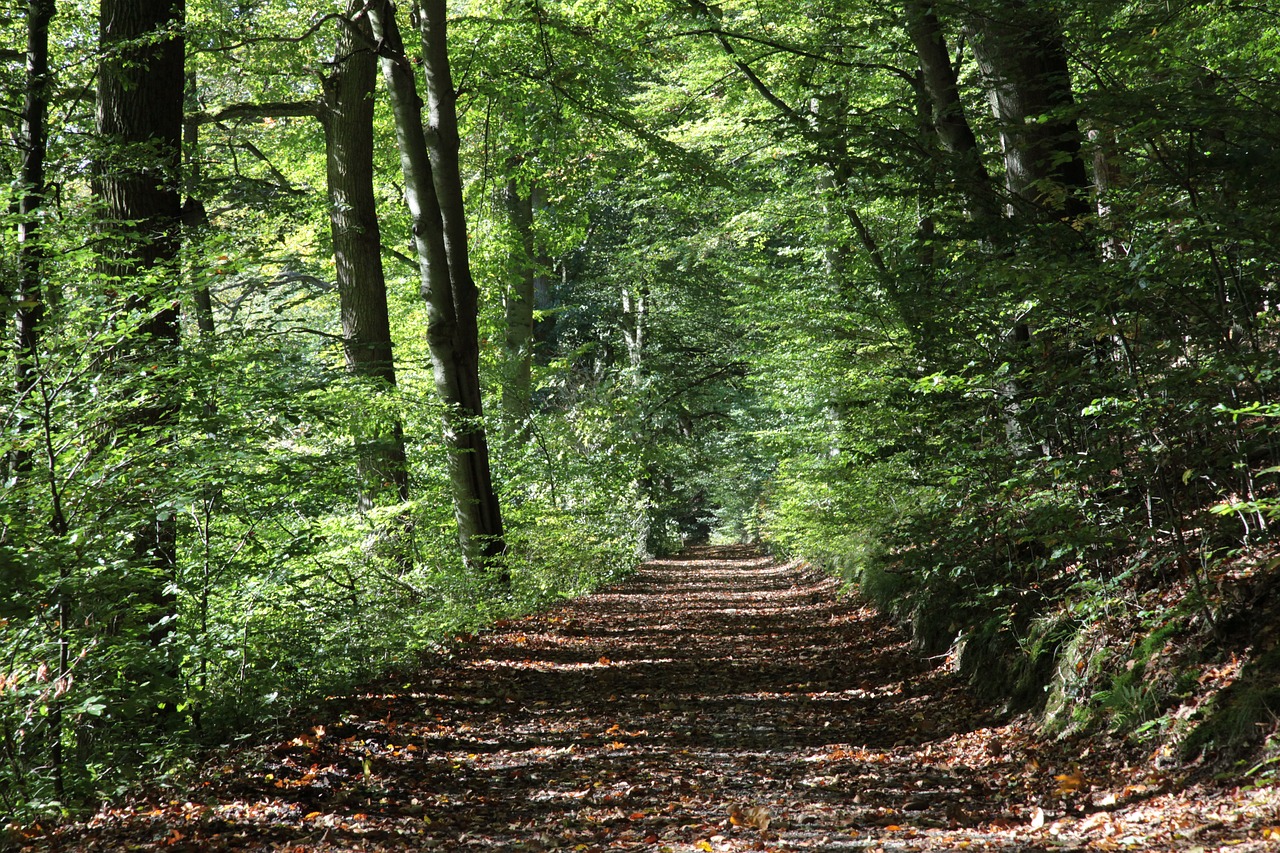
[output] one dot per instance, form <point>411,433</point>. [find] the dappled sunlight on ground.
<point>719,701</point>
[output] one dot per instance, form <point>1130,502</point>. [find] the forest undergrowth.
<point>719,700</point>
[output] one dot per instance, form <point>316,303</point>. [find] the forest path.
<point>716,701</point>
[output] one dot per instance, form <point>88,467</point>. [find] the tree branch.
<point>868,242</point>
<point>278,39</point>
<point>293,330</point>
<point>747,71</point>
<point>400,256</point>
<point>733,368</point>
<point>271,167</point>
<point>795,50</point>
<point>269,109</point>
<point>656,140</point>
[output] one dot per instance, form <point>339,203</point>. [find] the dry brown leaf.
<point>757,817</point>
<point>1069,783</point>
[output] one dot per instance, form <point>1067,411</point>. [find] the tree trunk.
<point>33,142</point>
<point>194,215</point>
<point>544,291</point>
<point>347,118</point>
<point>433,191</point>
<point>139,118</point>
<point>955,135</point>
<point>442,146</point>
<point>1020,52</point>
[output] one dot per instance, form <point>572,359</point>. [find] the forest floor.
<point>716,701</point>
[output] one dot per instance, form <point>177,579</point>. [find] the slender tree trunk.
<point>433,191</point>
<point>194,215</point>
<point>33,142</point>
<point>140,99</point>
<point>443,145</point>
<point>1107,176</point>
<point>347,118</point>
<point>635,311</point>
<point>29,315</point>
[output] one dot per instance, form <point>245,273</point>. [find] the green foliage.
<point>1010,434</point>
<point>766,312</point>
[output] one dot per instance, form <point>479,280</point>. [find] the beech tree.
<point>137,178</point>
<point>433,192</point>
<point>33,145</point>
<point>344,109</point>
<point>346,114</point>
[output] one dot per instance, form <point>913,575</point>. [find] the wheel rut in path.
<point>715,701</point>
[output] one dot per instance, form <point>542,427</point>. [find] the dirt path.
<point>718,701</point>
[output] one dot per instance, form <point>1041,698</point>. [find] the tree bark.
<point>1020,53</point>
<point>433,192</point>
<point>347,118</point>
<point>955,135</point>
<point>33,141</point>
<point>139,121</point>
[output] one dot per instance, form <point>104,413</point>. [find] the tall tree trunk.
<point>433,191</point>
<point>955,134</point>
<point>29,315</point>
<point>139,118</point>
<point>33,142</point>
<point>347,118</point>
<point>1020,52</point>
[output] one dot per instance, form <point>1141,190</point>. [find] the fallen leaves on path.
<point>719,701</point>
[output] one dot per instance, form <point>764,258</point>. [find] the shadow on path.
<point>639,718</point>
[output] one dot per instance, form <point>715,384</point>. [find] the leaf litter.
<point>716,701</point>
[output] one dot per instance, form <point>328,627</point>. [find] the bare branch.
<point>279,39</point>
<point>400,256</point>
